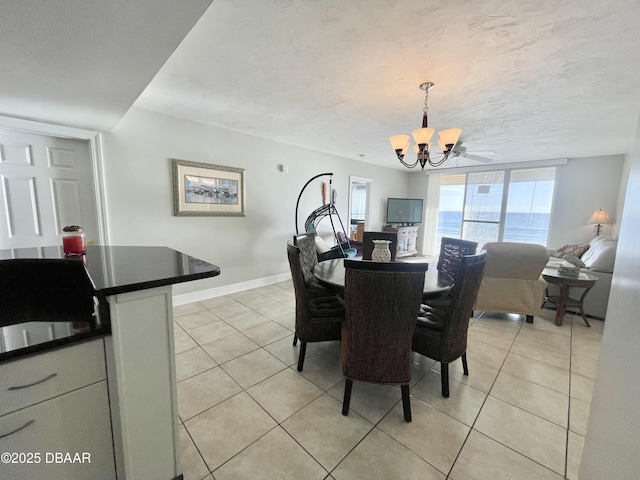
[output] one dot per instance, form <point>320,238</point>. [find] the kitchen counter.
<point>113,270</point>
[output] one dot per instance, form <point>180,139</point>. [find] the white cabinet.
<point>407,237</point>
<point>54,412</point>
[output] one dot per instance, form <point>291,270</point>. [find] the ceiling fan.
<point>460,151</point>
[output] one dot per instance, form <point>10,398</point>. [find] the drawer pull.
<point>30,422</point>
<point>34,383</point>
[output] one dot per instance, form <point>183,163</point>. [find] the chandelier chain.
<point>425,110</point>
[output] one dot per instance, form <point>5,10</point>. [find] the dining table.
<point>331,273</point>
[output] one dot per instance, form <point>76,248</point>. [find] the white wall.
<point>583,186</point>
<point>136,156</point>
<point>613,433</point>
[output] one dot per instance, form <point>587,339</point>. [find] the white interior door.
<point>46,183</point>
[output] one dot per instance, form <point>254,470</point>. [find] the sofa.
<point>597,257</point>
<point>512,281</point>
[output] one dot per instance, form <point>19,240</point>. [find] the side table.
<point>584,280</point>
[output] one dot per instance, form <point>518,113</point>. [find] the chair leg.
<point>444,378</point>
<point>529,318</point>
<point>406,403</point>
<point>348,384</point>
<point>295,339</point>
<point>465,368</point>
<point>303,350</point>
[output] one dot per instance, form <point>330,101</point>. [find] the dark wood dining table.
<point>331,273</point>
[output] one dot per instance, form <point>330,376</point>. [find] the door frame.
<point>367,181</point>
<point>95,151</point>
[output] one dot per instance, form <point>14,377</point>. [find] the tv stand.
<point>407,237</point>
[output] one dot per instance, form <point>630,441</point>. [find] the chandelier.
<point>422,136</point>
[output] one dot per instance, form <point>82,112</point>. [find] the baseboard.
<point>228,289</point>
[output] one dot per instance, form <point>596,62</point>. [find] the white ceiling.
<point>527,80</point>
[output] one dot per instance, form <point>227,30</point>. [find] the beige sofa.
<point>597,260</point>
<point>512,281</point>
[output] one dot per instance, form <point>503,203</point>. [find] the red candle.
<point>73,242</point>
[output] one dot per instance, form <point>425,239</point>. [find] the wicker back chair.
<point>451,251</point>
<point>382,302</point>
<point>318,319</point>
<point>369,237</point>
<point>441,334</point>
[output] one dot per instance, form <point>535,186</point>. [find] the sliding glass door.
<point>500,205</point>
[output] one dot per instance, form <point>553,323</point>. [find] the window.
<point>501,205</point>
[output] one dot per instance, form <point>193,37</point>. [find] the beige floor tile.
<point>253,367</point>
<point>537,372</point>
<point>202,391</point>
<point>481,376</point>
<point>574,455</point>
<point>197,319</point>
<point>247,320</point>
<point>287,321</point>
<point>182,342</point>
<point>502,339</point>
<point>267,333</point>
<point>276,456</point>
<point>579,416</point>
<point>463,404</point>
<point>379,456</point>
<point>581,387</point>
<point>283,296</point>
<point>192,362</point>
<point>285,285</point>
<point>500,320</point>
<point>428,423</point>
<point>226,429</point>
<point>247,296</point>
<point>534,437</point>
<point>217,301</point>
<point>545,322</point>
<point>193,466</point>
<point>267,289</point>
<point>543,353</point>
<point>230,310</point>
<point>324,368</point>
<point>275,310</point>
<point>177,328</point>
<point>258,301</point>
<point>369,400</point>
<point>587,334</point>
<point>284,350</point>
<point>211,332</point>
<point>596,325</point>
<point>228,348</point>
<point>585,348</point>
<point>533,398</point>
<point>187,309</point>
<point>483,458</point>
<point>486,354</point>
<point>585,366</point>
<point>284,394</point>
<point>561,342</point>
<point>324,432</point>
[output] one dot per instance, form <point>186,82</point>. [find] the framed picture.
<point>201,189</point>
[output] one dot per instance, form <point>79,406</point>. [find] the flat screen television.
<point>404,210</point>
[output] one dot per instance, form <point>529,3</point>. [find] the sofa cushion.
<point>601,256</point>
<point>576,250</point>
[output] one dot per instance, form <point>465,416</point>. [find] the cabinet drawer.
<point>33,379</point>
<point>74,423</point>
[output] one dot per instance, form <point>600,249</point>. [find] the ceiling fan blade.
<point>478,158</point>
<point>484,153</point>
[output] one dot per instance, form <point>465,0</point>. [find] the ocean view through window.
<point>502,205</point>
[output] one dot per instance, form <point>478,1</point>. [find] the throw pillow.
<point>576,250</point>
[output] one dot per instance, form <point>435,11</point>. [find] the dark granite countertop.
<point>113,270</point>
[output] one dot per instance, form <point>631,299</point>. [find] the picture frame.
<point>204,189</point>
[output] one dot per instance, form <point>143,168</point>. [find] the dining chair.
<point>318,319</point>
<point>441,333</point>
<point>451,251</point>
<point>369,237</point>
<point>47,290</point>
<point>382,301</point>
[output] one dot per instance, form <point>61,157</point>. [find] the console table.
<point>407,238</point>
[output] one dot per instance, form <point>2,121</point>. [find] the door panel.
<point>46,183</point>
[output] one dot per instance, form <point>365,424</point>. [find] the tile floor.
<point>246,413</point>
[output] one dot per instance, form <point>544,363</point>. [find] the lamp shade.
<point>423,135</point>
<point>399,142</point>
<point>599,217</point>
<point>450,136</point>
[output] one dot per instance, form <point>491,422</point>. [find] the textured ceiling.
<point>527,80</point>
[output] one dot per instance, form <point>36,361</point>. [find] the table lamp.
<point>600,217</point>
